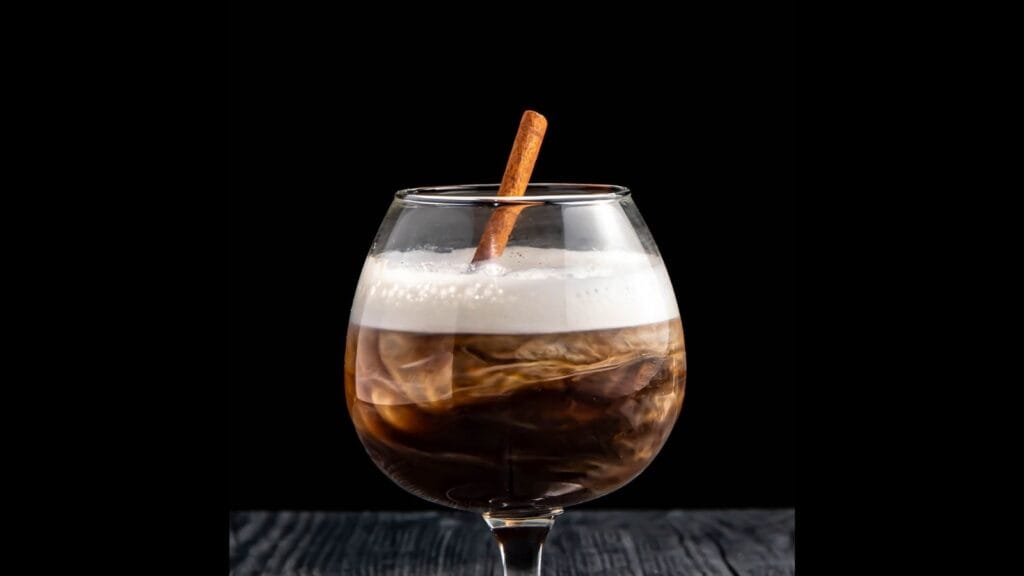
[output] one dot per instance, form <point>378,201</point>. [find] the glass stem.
<point>521,540</point>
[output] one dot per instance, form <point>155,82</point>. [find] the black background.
<point>695,119</point>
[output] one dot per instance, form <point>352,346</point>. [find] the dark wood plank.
<point>620,543</point>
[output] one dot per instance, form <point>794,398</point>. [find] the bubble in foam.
<point>488,268</point>
<point>527,290</point>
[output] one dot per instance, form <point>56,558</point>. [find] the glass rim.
<point>536,193</point>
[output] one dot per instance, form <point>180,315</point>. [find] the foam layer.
<point>527,290</point>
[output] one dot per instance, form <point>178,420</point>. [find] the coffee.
<point>474,415</point>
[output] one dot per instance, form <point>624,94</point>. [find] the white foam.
<point>527,290</point>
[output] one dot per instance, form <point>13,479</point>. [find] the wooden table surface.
<point>592,542</point>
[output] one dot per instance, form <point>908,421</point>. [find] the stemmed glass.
<point>520,385</point>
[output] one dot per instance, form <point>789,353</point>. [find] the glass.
<point>516,386</point>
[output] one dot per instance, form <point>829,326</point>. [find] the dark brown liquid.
<point>514,423</point>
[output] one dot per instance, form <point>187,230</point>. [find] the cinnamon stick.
<point>517,176</point>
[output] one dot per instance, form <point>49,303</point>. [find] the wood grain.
<point>620,543</point>
<point>520,165</point>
